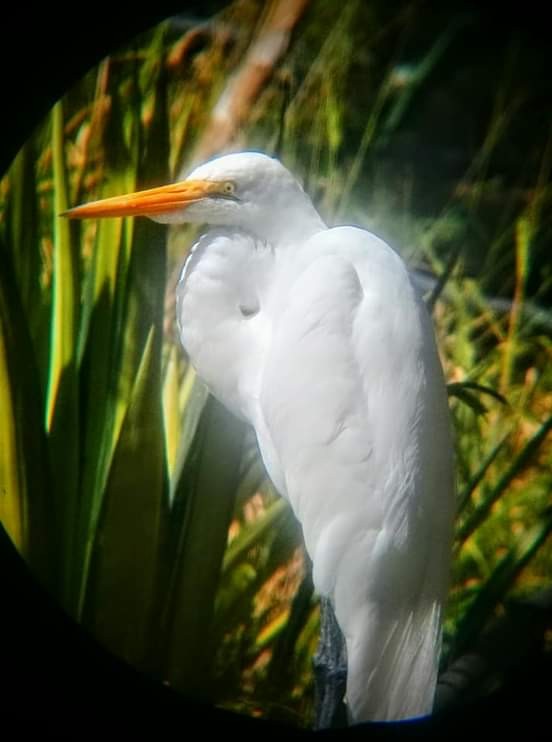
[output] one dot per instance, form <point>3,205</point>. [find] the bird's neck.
<point>288,222</point>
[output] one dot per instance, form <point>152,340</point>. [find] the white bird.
<point>317,338</point>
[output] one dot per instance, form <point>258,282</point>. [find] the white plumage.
<point>319,340</point>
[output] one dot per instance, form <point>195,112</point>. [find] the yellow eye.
<point>229,188</point>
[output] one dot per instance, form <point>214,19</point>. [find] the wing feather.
<point>353,422</point>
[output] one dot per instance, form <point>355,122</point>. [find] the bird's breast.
<point>222,316</point>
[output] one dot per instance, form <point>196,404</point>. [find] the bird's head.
<point>248,190</point>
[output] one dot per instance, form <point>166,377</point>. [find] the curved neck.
<point>290,222</point>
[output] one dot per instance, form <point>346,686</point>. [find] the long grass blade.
<point>465,396</point>
<point>193,398</point>
<point>126,549</point>
<point>524,237</point>
<point>475,481</point>
<point>500,581</point>
<point>145,278</point>
<point>98,378</point>
<point>207,492</point>
<point>520,462</point>
<point>104,332</point>
<point>62,410</point>
<point>419,74</point>
<point>26,503</point>
<point>21,224</point>
<point>171,409</point>
<point>452,388</point>
<point>65,283</point>
<point>440,284</point>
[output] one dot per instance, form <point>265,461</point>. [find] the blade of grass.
<point>26,502</point>
<point>171,409</point>
<point>477,388</point>
<point>422,71</point>
<point>65,279</point>
<point>13,505</point>
<point>193,398</point>
<point>475,481</point>
<point>443,279</point>
<point>97,372</point>
<point>145,278</point>
<point>21,223</point>
<point>61,412</point>
<point>523,249</point>
<point>104,330</point>
<point>206,496</point>
<point>500,581</point>
<point>124,561</point>
<point>517,466</point>
<point>469,399</point>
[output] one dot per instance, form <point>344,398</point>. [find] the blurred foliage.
<point>137,499</point>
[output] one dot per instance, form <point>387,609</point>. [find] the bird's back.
<point>353,427</point>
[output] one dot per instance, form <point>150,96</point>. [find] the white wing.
<point>353,427</point>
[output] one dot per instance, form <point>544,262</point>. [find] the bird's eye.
<point>229,188</point>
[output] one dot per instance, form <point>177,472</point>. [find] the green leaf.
<point>110,347</point>
<point>103,333</point>
<point>193,398</point>
<point>22,237</point>
<point>420,73</point>
<point>124,297</point>
<point>13,505</point>
<point>520,462</point>
<point>126,551</point>
<point>456,388</point>
<point>143,285</point>
<point>26,503</point>
<point>204,504</point>
<point>143,292</point>
<point>65,285</point>
<point>62,421</point>
<point>137,303</point>
<point>467,398</point>
<point>171,409</point>
<point>465,495</point>
<point>500,581</point>
<point>433,296</point>
<point>524,242</point>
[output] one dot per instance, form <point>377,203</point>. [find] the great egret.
<point>318,339</point>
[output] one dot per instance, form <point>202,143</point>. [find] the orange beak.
<point>162,200</point>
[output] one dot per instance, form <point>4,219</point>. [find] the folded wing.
<point>353,426</point>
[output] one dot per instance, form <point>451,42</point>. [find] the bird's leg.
<point>330,671</point>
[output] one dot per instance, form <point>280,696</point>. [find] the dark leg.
<point>330,671</point>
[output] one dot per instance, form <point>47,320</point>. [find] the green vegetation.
<point>136,498</point>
